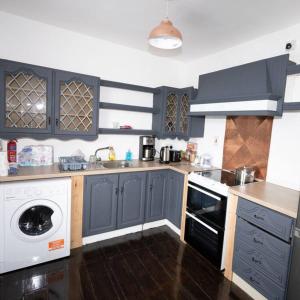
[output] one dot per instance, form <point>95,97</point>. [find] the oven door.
<point>201,199</point>
<point>204,238</point>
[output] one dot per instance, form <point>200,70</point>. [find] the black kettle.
<point>164,155</point>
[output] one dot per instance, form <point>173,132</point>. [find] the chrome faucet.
<point>99,149</point>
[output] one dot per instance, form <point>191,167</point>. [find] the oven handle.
<point>204,192</point>
<point>202,223</point>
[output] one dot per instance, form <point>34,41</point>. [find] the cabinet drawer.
<point>256,238</point>
<point>270,220</point>
<point>262,262</point>
<point>256,279</point>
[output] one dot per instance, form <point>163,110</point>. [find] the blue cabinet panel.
<point>263,242</point>
<point>258,280</point>
<point>262,248</point>
<point>132,199</point>
<point>25,99</point>
<point>100,204</point>
<point>76,99</point>
<point>274,222</point>
<point>267,254</point>
<point>174,198</point>
<point>173,120</point>
<point>40,102</point>
<point>156,195</point>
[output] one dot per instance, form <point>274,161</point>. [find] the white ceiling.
<point>207,26</point>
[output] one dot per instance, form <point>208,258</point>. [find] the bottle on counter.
<point>128,155</point>
<point>12,151</point>
<point>112,154</point>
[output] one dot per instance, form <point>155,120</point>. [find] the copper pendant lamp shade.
<point>165,36</point>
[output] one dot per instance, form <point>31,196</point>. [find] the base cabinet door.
<point>132,196</point>
<point>174,198</point>
<point>100,204</point>
<point>156,195</point>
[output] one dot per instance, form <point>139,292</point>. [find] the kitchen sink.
<point>97,165</point>
<point>116,164</point>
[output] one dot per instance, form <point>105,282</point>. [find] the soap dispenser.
<point>112,154</point>
<point>128,155</point>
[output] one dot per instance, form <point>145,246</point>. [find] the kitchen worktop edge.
<point>275,197</point>
<point>34,173</point>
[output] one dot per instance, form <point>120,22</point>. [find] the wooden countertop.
<point>278,198</point>
<point>31,173</point>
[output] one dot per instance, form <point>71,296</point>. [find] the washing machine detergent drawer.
<point>36,227</point>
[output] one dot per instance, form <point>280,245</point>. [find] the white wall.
<point>32,42</point>
<point>284,163</point>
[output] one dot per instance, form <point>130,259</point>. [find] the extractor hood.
<point>255,88</point>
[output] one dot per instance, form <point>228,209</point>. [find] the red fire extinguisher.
<point>12,151</point>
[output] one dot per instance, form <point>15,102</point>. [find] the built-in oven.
<point>205,222</point>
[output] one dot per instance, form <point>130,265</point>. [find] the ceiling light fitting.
<point>165,35</point>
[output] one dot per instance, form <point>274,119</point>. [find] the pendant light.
<point>165,35</point>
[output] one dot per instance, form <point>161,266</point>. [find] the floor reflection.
<point>153,264</point>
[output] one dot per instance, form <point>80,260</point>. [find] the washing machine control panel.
<point>35,190</point>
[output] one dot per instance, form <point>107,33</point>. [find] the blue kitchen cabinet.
<point>173,120</point>
<point>100,204</point>
<point>113,202</point>
<point>262,248</point>
<point>122,200</point>
<point>156,195</point>
<point>40,103</point>
<point>76,98</point>
<point>25,100</point>
<point>132,199</point>
<point>173,208</point>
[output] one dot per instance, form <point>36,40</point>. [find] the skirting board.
<point>124,231</point>
<point>252,292</point>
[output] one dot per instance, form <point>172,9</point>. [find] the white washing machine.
<point>35,221</point>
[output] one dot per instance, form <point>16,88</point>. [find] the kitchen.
<point>131,74</point>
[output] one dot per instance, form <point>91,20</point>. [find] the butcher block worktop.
<point>278,198</point>
<point>30,173</point>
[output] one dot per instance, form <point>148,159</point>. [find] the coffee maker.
<point>147,148</point>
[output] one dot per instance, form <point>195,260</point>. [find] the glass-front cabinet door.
<point>76,104</point>
<point>183,119</point>
<point>171,113</point>
<point>25,98</point>
<point>176,119</point>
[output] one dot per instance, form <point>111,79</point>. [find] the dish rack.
<point>72,163</point>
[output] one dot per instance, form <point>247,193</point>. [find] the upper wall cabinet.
<point>173,120</point>
<point>76,104</point>
<point>25,98</point>
<point>41,103</point>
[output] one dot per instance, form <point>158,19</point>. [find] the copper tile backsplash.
<point>247,143</point>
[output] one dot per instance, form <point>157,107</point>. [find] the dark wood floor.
<point>153,264</point>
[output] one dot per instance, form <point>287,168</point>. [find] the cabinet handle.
<point>122,190</point>
<point>117,191</point>
<point>257,241</point>
<point>257,261</point>
<point>151,187</point>
<point>254,280</point>
<point>49,120</point>
<point>259,217</point>
<point>56,122</point>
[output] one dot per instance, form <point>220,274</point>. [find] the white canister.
<point>3,164</point>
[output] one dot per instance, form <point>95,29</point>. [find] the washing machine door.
<point>37,220</point>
